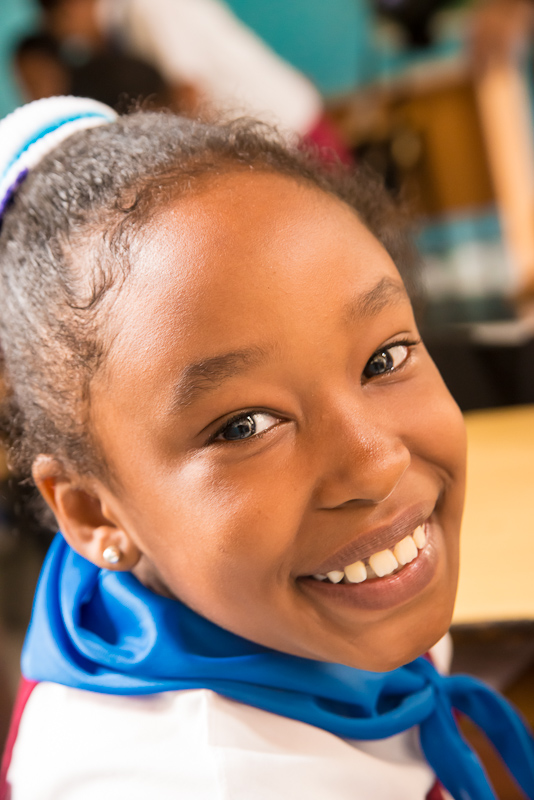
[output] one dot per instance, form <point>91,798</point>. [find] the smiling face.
<point>269,414</point>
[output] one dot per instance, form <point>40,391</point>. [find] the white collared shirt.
<point>196,745</point>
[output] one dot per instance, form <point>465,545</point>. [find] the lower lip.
<point>377,594</point>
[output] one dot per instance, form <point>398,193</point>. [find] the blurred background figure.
<point>39,68</point>
<point>501,30</point>
<point>111,77</point>
<point>207,56</point>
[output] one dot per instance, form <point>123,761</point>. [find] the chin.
<point>401,650</point>
<point>399,659</point>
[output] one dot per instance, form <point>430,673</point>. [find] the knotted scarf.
<point>105,632</point>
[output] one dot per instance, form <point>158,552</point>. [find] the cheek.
<point>443,443</point>
<point>210,526</point>
<point>450,442</point>
<point>228,549</point>
<point>438,427</point>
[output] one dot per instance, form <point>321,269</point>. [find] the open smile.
<point>387,577</point>
<point>381,563</point>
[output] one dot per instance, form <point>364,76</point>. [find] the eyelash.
<point>408,343</point>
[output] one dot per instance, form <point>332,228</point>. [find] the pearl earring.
<point>112,554</point>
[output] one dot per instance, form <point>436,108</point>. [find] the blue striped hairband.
<point>32,131</point>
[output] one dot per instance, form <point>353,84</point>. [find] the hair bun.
<point>33,130</point>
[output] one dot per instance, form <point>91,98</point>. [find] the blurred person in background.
<point>200,47</point>
<point>112,77</point>
<point>39,69</point>
<point>501,30</point>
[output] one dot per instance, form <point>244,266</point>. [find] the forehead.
<point>245,256</point>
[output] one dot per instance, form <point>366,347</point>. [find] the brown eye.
<point>386,360</point>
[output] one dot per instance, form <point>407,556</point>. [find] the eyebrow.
<point>207,374</point>
<point>386,292</point>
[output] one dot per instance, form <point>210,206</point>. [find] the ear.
<point>83,516</point>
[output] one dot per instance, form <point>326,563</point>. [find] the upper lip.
<point>380,538</point>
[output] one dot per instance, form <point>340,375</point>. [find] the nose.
<point>363,457</point>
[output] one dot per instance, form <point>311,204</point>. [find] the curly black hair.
<point>65,251</point>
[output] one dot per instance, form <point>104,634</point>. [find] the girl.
<point>217,381</point>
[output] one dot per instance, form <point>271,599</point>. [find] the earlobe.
<point>82,518</point>
<point>108,547</point>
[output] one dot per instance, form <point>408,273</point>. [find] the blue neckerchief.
<point>103,631</point>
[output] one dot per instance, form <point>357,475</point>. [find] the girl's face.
<point>270,415</point>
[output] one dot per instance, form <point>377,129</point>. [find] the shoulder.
<point>196,745</point>
<point>82,745</point>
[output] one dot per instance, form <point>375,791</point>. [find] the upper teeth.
<point>382,563</point>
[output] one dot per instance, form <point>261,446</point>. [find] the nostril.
<point>368,478</point>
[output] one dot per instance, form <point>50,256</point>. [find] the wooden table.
<point>497,550</point>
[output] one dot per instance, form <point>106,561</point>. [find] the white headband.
<point>32,131</point>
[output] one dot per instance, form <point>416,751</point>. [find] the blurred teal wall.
<point>17,18</point>
<point>330,41</point>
